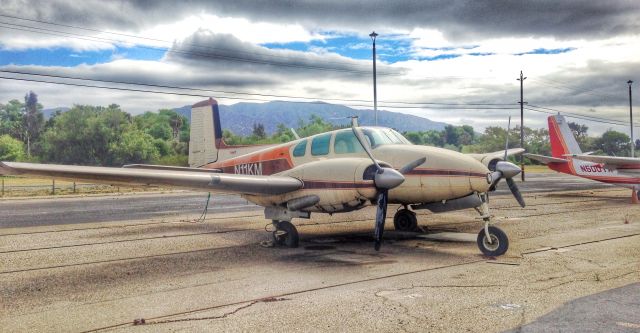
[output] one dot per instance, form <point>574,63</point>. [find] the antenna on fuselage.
<point>354,121</point>
<point>295,134</point>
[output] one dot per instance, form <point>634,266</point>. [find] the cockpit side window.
<point>300,149</point>
<point>320,144</point>
<point>346,143</point>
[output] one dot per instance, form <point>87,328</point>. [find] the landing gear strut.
<point>492,241</point>
<point>285,234</point>
<point>405,220</point>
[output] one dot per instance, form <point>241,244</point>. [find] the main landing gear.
<point>285,234</point>
<point>492,241</point>
<point>405,220</point>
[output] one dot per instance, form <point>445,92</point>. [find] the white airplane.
<point>567,157</point>
<point>330,173</point>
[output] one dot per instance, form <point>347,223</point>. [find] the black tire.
<point>499,245</point>
<point>290,237</point>
<point>405,220</point>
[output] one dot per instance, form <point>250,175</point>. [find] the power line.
<point>579,116</point>
<point>247,93</point>
<point>559,85</point>
<point>243,98</point>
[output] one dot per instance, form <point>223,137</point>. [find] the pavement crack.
<point>142,321</point>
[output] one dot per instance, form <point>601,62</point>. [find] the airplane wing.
<point>609,160</point>
<point>497,154</point>
<point>545,159</point>
<point>194,180</point>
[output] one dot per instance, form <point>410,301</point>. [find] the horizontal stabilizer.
<point>545,159</point>
<point>610,160</point>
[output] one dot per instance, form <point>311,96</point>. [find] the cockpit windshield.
<point>384,136</point>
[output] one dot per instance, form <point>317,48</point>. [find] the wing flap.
<point>545,159</point>
<point>213,182</point>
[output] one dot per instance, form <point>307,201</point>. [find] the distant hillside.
<point>49,112</point>
<point>239,118</point>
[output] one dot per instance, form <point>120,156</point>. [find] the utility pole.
<point>521,79</point>
<point>633,141</point>
<point>373,36</point>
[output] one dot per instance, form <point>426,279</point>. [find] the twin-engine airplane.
<point>333,172</point>
<point>568,158</point>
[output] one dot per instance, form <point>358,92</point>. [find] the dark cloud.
<point>220,53</point>
<point>459,20</point>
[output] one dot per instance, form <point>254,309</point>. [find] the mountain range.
<point>239,118</point>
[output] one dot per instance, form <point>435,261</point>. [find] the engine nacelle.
<point>342,184</point>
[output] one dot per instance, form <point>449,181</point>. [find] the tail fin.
<point>562,140</point>
<point>206,133</point>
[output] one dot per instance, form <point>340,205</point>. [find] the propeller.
<point>386,178</point>
<point>506,170</point>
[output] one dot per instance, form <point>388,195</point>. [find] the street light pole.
<point>633,141</point>
<point>373,36</point>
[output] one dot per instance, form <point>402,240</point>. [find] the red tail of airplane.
<point>562,140</point>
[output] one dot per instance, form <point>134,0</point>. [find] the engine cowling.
<point>342,184</point>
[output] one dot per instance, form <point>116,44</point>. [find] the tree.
<point>135,146</point>
<point>33,119</point>
<point>11,149</point>
<point>613,143</point>
<point>258,131</point>
<point>580,133</point>
<point>12,119</point>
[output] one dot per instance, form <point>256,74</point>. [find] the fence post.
<point>53,187</point>
<point>74,187</point>
<point>3,186</point>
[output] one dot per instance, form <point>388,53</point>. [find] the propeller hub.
<point>388,178</point>
<point>508,169</point>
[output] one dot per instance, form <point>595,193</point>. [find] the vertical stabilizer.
<point>562,140</point>
<point>205,133</point>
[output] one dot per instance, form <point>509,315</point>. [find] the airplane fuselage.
<point>627,176</point>
<point>333,167</point>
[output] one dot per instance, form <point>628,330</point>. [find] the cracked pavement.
<point>217,277</point>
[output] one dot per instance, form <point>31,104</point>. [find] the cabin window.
<point>320,144</point>
<point>346,143</point>
<point>300,149</point>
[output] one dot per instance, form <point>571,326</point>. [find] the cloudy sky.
<point>451,61</point>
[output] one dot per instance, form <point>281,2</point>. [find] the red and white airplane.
<point>568,158</point>
<point>331,172</point>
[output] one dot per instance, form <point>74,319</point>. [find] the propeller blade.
<point>362,140</point>
<point>381,215</point>
<point>496,176</point>
<point>516,192</point>
<point>412,165</point>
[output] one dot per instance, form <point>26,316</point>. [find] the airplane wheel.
<point>405,220</point>
<point>286,234</point>
<point>499,242</point>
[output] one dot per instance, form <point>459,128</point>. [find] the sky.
<point>450,61</point>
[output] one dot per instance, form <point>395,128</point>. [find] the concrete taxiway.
<point>73,265</point>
